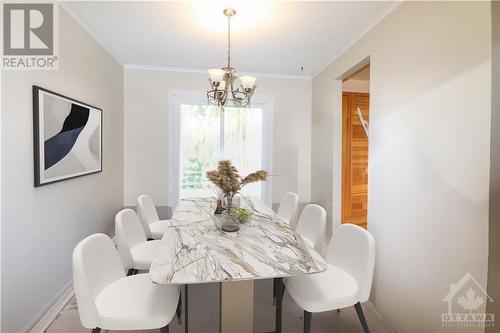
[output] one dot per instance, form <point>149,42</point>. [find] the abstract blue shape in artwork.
<point>61,144</point>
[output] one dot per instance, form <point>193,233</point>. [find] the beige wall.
<point>429,153</point>
<point>147,137</point>
<point>494,238</point>
<point>360,86</point>
<point>41,226</point>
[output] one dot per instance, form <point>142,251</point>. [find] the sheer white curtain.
<point>209,134</point>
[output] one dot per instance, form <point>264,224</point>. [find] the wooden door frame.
<point>346,120</point>
<point>336,136</point>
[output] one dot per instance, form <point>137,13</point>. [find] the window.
<point>207,135</point>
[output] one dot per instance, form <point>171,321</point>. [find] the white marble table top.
<point>195,250</point>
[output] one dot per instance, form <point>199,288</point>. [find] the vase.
<point>228,201</point>
<point>219,209</point>
<point>230,221</point>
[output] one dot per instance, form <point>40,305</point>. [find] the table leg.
<point>236,302</point>
<point>186,321</point>
<point>274,290</point>
<point>279,303</point>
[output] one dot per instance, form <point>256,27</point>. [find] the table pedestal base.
<point>236,311</point>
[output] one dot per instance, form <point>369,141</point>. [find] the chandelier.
<point>223,80</point>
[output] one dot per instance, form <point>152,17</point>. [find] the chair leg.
<point>279,304</point>
<point>359,311</point>
<point>164,329</point>
<point>307,321</point>
<point>96,330</point>
<point>179,310</point>
<point>130,271</point>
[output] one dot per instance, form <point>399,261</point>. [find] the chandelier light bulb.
<point>216,74</point>
<point>247,82</point>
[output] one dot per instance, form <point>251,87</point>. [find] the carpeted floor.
<point>204,315</point>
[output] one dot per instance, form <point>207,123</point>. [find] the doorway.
<point>355,134</point>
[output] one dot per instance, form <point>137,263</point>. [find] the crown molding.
<point>83,23</point>
<point>204,71</point>
<point>384,14</point>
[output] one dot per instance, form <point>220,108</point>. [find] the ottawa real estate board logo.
<point>29,36</point>
<point>467,301</point>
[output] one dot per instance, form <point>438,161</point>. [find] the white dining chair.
<point>108,299</point>
<point>289,208</point>
<point>134,249</point>
<point>311,225</point>
<point>153,226</point>
<point>347,281</point>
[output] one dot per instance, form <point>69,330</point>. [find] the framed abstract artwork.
<point>67,137</point>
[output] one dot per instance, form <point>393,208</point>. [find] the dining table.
<point>195,249</point>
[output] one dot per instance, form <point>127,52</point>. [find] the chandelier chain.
<point>229,41</point>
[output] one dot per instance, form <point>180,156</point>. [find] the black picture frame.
<point>38,142</point>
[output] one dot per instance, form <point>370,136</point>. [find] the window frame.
<point>178,97</point>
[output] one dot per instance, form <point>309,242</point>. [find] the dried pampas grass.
<point>227,178</point>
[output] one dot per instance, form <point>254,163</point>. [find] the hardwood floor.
<point>204,315</point>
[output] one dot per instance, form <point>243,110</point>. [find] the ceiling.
<point>267,37</point>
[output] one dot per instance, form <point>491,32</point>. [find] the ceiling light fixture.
<point>223,80</point>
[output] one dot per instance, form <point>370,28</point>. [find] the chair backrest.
<point>352,248</point>
<point>129,233</point>
<point>147,212</point>
<point>312,225</point>
<point>289,208</point>
<point>96,264</point>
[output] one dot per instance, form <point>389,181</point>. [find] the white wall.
<point>429,153</point>
<point>147,137</point>
<point>494,226</point>
<point>41,226</point>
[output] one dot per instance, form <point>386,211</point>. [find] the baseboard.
<point>375,311</point>
<point>46,317</point>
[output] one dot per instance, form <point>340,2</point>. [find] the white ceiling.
<point>277,37</point>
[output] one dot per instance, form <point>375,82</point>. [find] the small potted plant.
<point>243,214</point>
